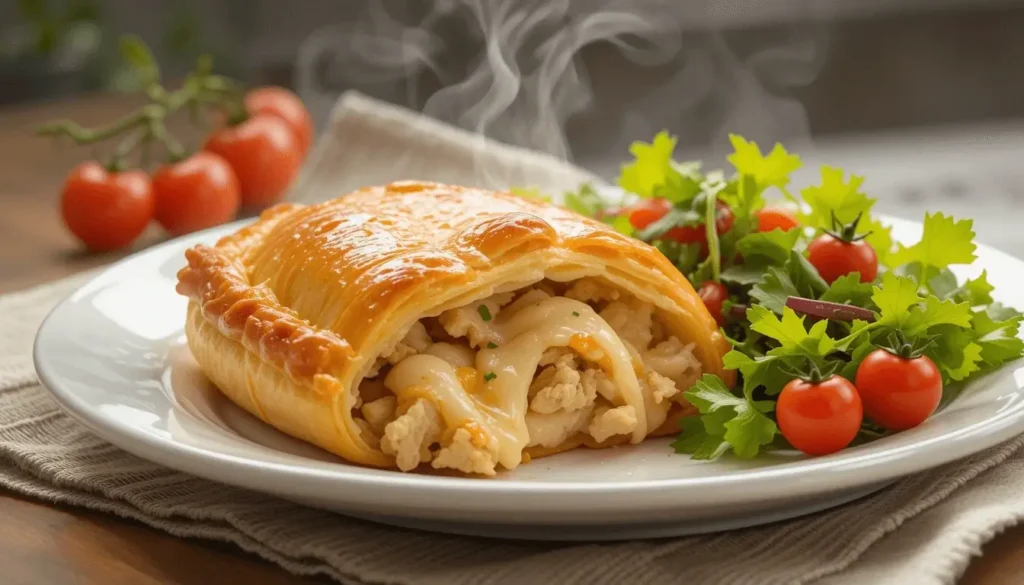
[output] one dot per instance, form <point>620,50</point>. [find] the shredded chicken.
<point>435,330</point>
<point>472,321</point>
<point>631,320</point>
<point>465,455</point>
<point>685,382</point>
<point>379,412</point>
<point>589,290</point>
<point>374,370</point>
<point>609,422</point>
<point>409,436</point>
<point>551,430</point>
<point>552,354</point>
<point>568,396</point>
<point>672,359</point>
<point>600,382</point>
<point>657,332</point>
<point>415,341</point>
<point>530,297</point>
<point>371,437</point>
<point>559,387</point>
<point>662,388</point>
<point>498,300</point>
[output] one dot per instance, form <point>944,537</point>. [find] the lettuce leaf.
<point>835,195</point>
<point>651,166</point>
<point>944,242</point>
<point>772,170</point>
<point>727,422</point>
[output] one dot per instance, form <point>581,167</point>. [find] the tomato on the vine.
<point>834,257</point>
<point>198,192</point>
<point>773,218</point>
<point>714,295</point>
<point>898,392</point>
<point>649,211</point>
<point>819,418</point>
<point>282,103</point>
<point>264,153</point>
<point>104,209</point>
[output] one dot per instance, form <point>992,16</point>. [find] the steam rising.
<point>525,80</point>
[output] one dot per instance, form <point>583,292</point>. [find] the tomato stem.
<point>83,136</point>
<point>811,373</point>
<point>236,114</point>
<point>898,345</point>
<point>117,159</point>
<point>201,88</point>
<point>156,93</point>
<point>846,232</point>
<point>175,151</point>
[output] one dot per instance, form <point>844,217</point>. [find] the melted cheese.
<point>459,356</point>
<point>492,399</point>
<point>427,376</point>
<point>469,378</point>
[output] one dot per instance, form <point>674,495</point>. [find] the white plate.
<point>113,354</point>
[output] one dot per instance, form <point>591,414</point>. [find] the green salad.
<point>839,335</point>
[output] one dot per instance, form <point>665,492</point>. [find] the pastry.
<point>419,325</point>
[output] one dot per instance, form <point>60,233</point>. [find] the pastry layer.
<point>290,315</point>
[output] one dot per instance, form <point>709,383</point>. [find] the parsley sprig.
<point>782,316</point>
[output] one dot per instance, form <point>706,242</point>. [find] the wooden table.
<point>41,543</point>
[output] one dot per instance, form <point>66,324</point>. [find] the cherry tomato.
<point>265,154</point>
<point>723,218</point>
<point>773,218</point>
<point>898,393</point>
<point>822,418</point>
<point>649,211</point>
<point>714,295</point>
<point>834,257</point>
<point>279,102</point>
<point>106,210</point>
<point>198,192</point>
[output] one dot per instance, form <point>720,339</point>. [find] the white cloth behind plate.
<point>922,530</point>
<point>370,142</point>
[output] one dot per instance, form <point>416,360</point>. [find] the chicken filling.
<point>573,393</point>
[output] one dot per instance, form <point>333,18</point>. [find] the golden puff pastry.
<point>420,325</point>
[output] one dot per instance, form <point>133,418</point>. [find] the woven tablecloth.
<point>923,529</point>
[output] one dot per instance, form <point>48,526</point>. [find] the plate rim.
<point>846,470</point>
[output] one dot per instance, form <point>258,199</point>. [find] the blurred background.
<point>924,97</point>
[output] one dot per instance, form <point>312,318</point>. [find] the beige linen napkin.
<point>369,142</point>
<point>924,529</point>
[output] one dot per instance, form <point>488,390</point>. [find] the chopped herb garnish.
<point>575,314</point>
<point>485,313</point>
<point>492,345</point>
<point>490,376</point>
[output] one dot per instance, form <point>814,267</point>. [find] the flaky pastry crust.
<point>288,314</point>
